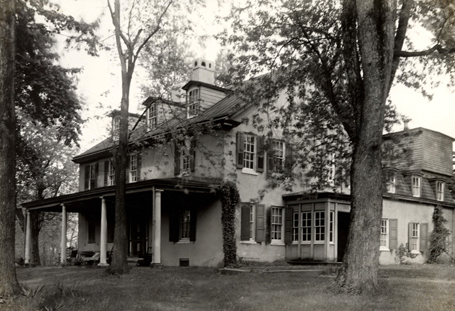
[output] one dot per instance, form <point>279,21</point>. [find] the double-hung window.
<point>250,152</point>
<point>109,173</point>
<point>116,128</point>
<point>134,167</point>
<point>384,234</point>
<point>414,237</point>
<point>152,119</point>
<point>319,226</point>
<point>193,103</point>
<point>391,183</point>
<point>306,226</point>
<point>295,227</point>
<point>440,191</point>
<point>252,223</point>
<point>278,154</point>
<point>277,224</point>
<point>184,225</point>
<point>91,174</point>
<point>416,184</point>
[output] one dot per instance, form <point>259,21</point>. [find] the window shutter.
<point>193,215</point>
<point>423,237</point>
<point>244,222</point>
<point>176,159</point>
<point>138,168</point>
<point>239,149</point>
<point>106,172</point>
<point>409,235</point>
<point>270,158</point>
<point>288,225</point>
<point>174,226</point>
<point>260,155</point>
<point>260,223</point>
<point>96,174</point>
<point>193,156</point>
<point>268,227</point>
<point>86,177</point>
<point>288,158</point>
<point>128,157</point>
<point>393,233</point>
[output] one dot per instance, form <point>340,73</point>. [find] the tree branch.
<point>436,48</point>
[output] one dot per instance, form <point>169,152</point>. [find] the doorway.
<point>343,229</point>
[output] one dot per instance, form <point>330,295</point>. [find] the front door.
<point>138,237</point>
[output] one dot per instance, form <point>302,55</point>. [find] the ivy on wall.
<point>438,238</point>
<point>230,198</point>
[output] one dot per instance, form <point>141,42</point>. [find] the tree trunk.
<point>8,285</point>
<point>35,225</point>
<point>359,271</point>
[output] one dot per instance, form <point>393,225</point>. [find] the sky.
<point>100,83</point>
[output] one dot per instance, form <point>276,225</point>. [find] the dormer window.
<point>391,183</point>
<point>416,182</point>
<point>152,119</point>
<point>440,191</point>
<point>193,103</point>
<point>116,128</point>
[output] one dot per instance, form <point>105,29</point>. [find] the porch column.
<point>103,237</point>
<point>157,227</point>
<point>28,236</point>
<point>63,241</point>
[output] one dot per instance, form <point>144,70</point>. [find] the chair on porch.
<point>90,261</point>
<point>147,259</point>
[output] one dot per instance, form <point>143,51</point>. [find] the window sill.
<point>249,171</point>
<point>384,249</point>
<point>277,243</point>
<point>415,252</point>
<point>186,241</point>
<point>302,242</point>
<point>249,242</point>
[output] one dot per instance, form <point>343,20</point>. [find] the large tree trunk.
<point>375,22</point>
<point>35,225</point>
<point>8,285</point>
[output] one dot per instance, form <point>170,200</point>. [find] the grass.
<point>423,287</point>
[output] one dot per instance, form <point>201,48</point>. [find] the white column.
<point>103,238</point>
<point>63,241</point>
<point>28,235</point>
<point>157,227</point>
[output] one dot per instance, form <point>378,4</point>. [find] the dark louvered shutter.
<point>87,177</point>
<point>393,233</point>
<point>193,156</point>
<point>409,235</point>
<point>176,159</point>
<point>95,185</point>
<point>260,223</point>
<point>193,217</point>
<point>288,162</point>
<point>244,222</point>
<point>260,155</point>
<point>138,168</point>
<point>288,225</point>
<point>239,149</point>
<point>423,237</point>
<point>106,173</point>
<point>174,226</point>
<point>268,226</point>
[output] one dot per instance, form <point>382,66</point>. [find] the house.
<point>181,150</point>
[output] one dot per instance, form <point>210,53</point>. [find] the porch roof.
<point>168,184</point>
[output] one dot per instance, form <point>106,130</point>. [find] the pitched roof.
<point>222,110</point>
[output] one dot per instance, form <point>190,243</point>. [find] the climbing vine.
<point>229,197</point>
<point>438,238</point>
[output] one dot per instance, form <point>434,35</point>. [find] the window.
<point>295,227</point>
<point>414,237</point>
<point>133,167</point>
<point>116,128</point>
<point>252,222</point>
<point>384,234</point>
<point>391,183</point>
<point>277,223</point>
<point>331,227</point>
<point>90,178</point>
<point>184,225</point>
<point>152,120</point>
<point>331,169</point>
<point>306,226</point>
<point>193,103</point>
<point>440,191</point>
<point>250,152</point>
<point>109,173</point>
<point>319,226</point>
<point>416,186</point>
<point>185,156</point>
<point>278,154</point>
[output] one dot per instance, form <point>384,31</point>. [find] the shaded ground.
<point>422,287</point>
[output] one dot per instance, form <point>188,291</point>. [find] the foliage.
<point>230,198</point>
<point>439,235</point>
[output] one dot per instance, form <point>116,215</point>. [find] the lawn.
<point>422,287</point>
